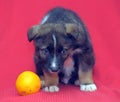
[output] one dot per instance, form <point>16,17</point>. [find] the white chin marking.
<point>89,87</point>
<point>51,89</point>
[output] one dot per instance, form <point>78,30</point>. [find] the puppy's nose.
<point>54,69</point>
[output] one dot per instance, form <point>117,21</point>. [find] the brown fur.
<point>60,35</point>
<point>85,77</point>
<point>69,28</point>
<point>50,79</point>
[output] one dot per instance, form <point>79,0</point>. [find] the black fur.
<point>78,38</point>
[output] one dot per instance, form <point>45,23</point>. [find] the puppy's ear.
<point>75,31</point>
<point>70,27</point>
<point>33,32</point>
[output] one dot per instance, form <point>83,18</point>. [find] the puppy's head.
<point>54,43</point>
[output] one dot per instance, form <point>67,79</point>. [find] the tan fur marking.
<point>39,30</point>
<point>68,28</point>
<point>85,77</point>
<point>71,27</point>
<point>76,31</point>
<point>50,79</point>
<point>47,28</point>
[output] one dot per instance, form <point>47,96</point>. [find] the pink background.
<point>102,18</point>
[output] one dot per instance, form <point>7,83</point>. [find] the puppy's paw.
<point>89,87</point>
<point>51,89</point>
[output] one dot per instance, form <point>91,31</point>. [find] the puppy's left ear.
<point>75,31</point>
<point>33,32</point>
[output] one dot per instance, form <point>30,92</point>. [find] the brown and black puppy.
<point>63,50</point>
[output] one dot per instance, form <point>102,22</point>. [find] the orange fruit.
<point>28,83</point>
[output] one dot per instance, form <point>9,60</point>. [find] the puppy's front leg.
<point>51,82</point>
<point>86,80</point>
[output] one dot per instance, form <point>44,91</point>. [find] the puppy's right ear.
<point>32,32</point>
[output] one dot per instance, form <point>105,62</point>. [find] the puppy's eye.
<point>64,51</point>
<point>44,51</point>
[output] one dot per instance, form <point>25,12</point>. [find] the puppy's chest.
<point>68,67</point>
<point>68,70</point>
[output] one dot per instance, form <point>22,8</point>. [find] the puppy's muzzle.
<point>54,69</point>
<point>54,66</point>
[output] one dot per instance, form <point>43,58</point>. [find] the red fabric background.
<point>102,18</point>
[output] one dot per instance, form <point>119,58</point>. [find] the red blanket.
<point>102,18</point>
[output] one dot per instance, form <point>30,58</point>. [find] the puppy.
<point>63,50</point>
